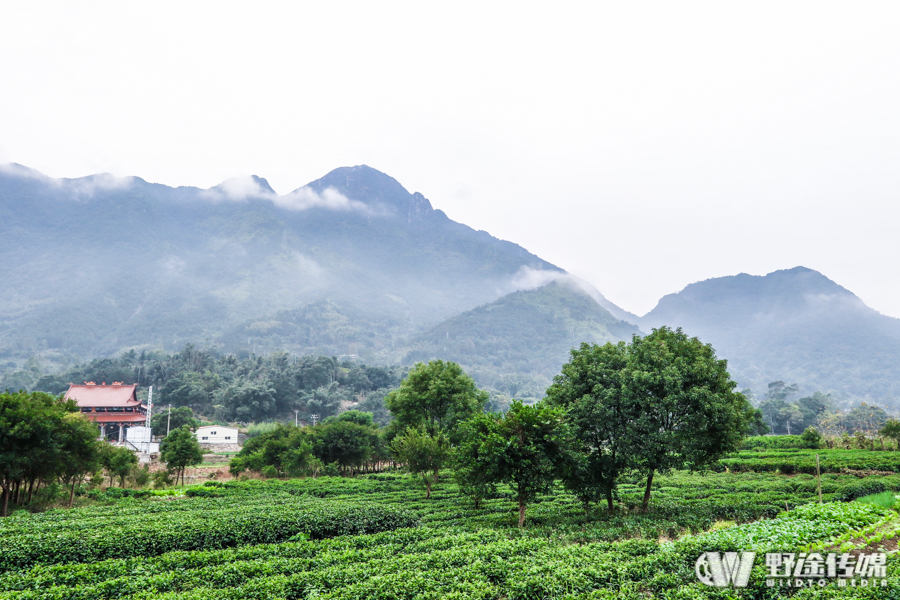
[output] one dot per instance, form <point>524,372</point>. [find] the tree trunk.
<point>30,490</point>
<point>609,501</point>
<point>18,489</point>
<point>72,494</point>
<point>435,475</point>
<point>521,513</point>
<point>427,488</point>
<point>4,511</point>
<point>646,504</point>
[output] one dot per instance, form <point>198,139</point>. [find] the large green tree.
<point>438,395</point>
<point>80,451</point>
<point>525,448</point>
<point>32,438</point>
<point>687,414</point>
<point>600,410</point>
<point>346,443</point>
<point>180,450</point>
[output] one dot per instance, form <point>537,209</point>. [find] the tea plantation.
<point>377,537</point>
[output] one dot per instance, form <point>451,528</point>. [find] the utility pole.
<point>148,436</point>
<point>169,420</point>
<point>315,419</point>
<point>295,417</point>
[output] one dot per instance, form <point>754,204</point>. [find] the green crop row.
<point>224,527</point>
<point>435,563</point>
<point>789,461</point>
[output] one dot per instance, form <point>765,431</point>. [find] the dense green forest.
<point>233,388</point>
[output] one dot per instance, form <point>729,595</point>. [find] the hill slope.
<point>97,264</point>
<point>517,343</point>
<point>794,325</point>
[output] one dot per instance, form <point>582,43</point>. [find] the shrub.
<point>858,490</point>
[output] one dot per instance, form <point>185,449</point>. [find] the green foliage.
<point>662,402</point>
<point>882,500</point>
<point>346,443</point>
<point>207,523</point>
<point>592,389</point>
<point>422,454</point>
<point>353,416</point>
<point>773,441</point>
<point>42,438</point>
<point>438,396</point>
<point>166,420</point>
<point>525,448</point>
<point>891,429</point>
<point>691,416</point>
<point>451,551</point>
<point>299,451</point>
<point>251,388</point>
<point>119,462</point>
<point>859,490</point>
<point>789,461</point>
<point>180,450</point>
<point>811,438</point>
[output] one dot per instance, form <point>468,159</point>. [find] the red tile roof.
<point>134,418</point>
<point>103,395</point>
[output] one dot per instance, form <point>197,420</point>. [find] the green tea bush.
<point>204,528</point>
<point>769,442</point>
<point>858,490</point>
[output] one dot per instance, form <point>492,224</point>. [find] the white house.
<point>215,434</point>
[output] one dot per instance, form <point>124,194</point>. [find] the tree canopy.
<point>437,395</point>
<point>662,402</point>
<point>525,448</point>
<point>180,450</point>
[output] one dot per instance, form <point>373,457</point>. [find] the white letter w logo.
<point>715,569</point>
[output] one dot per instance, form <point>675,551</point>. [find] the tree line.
<point>786,416</point>
<point>233,388</point>
<point>659,403</point>
<point>45,441</point>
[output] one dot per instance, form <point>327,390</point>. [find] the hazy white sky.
<point>642,146</point>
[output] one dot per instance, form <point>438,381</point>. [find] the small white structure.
<point>138,438</point>
<point>215,434</point>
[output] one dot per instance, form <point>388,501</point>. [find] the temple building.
<point>113,407</point>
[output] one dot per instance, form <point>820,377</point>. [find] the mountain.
<point>516,344</point>
<point>350,263</point>
<point>794,325</point>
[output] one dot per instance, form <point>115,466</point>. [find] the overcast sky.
<point>642,148</point>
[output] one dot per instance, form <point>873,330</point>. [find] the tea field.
<point>376,537</point>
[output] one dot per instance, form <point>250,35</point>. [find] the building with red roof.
<point>110,406</point>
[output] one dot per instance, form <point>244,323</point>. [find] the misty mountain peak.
<point>378,190</point>
<point>263,184</point>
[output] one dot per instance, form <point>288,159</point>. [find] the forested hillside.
<point>246,388</point>
<point>796,326</point>
<point>517,344</point>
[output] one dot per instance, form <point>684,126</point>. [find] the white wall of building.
<point>213,434</point>
<point>137,434</point>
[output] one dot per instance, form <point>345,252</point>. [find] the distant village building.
<point>113,407</point>
<point>214,434</point>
